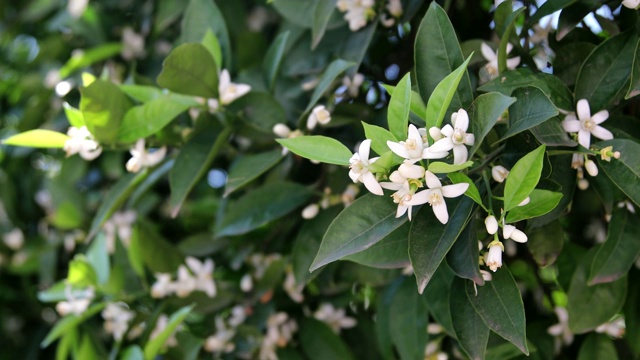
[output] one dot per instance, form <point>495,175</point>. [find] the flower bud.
<point>411,171</point>
<point>499,173</point>
<point>525,201</point>
<point>591,167</point>
<point>281,130</point>
<point>583,184</point>
<point>510,232</point>
<point>435,133</point>
<point>310,211</point>
<point>494,256</point>
<point>246,283</point>
<point>491,224</point>
<point>486,275</point>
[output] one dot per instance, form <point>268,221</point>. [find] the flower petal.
<point>447,130</point>
<point>414,134</point>
<point>354,176</point>
<point>440,210</point>
<point>454,190</point>
<point>462,120</point>
<point>390,185</point>
<point>398,149</point>
<point>428,154</point>
<point>469,139</point>
<point>432,180</point>
<point>513,62</point>
<point>371,184</point>
<point>364,148</point>
<point>602,133</point>
<point>584,138</point>
<point>600,116</point>
<point>419,198</point>
<point>571,125</point>
<point>442,145</point>
<point>460,154</point>
<point>411,171</point>
<point>401,210</point>
<point>487,52</point>
<point>225,80</point>
<point>583,110</point>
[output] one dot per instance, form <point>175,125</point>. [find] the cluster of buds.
<point>186,283</point>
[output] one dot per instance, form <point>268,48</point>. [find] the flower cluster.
<point>199,278</point>
<point>358,12</point>
<point>82,143</point>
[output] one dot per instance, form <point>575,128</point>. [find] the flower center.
<point>410,145</point>
<point>588,124</point>
<point>435,198</point>
<point>357,167</point>
<point>458,137</point>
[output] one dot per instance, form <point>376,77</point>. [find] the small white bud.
<point>435,133</point>
<point>583,184</point>
<point>246,283</point>
<point>499,173</point>
<point>494,256</point>
<point>281,130</point>
<point>510,232</point>
<point>591,167</point>
<point>486,275</point>
<point>525,201</point>
<point>491,224</point>
<point>310,211</point>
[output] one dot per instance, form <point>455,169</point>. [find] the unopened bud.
<point>510,232</point>
<point>583,184</point>
<point>493,258</point>
<point>591,167</point>
<point>491,224</point>
<point>499,173</point>
<point>281,130</point>
<point>310,211</point>
<point>246,283</point>
<point>435,133</point>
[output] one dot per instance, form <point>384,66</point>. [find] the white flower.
<point>493,258</point>
<point>162,287</point>
<point>185,284</point>
<point>631,4</point>
<point>280,330</point>
<point>261,262</point>
<point>349,194</point>
<point>14,239</point>
<point>132,44</point>
<point>359,168</point>
<point>76,303</point>
<point>499,173</point>
<point>358,12</point>
<point>82,143</point>
<point>161,324</point>
<point>335,318</point>
<point>492,58</point>
<point>413,149</point>
<point>394,7</point>
<point>435,195</point>
<point>120,223</point>
<point>117,317</point>
<point>310,211</point>
<point>293,290</point>
<point>319,115</point>
<point>491,224</point>
<point>591,168</point>
<point>238,316</point>
<point>203,275</point>
<point>628,205</point>
<point>510,232</point>
<point>77,7</point>
<point>561,329</point>
<point>246,283</point>
<point>284,132</point>
<point>614,328</point>
<point>586,124</point>
<point>229,91</point>
<point>220,341</point>
<point>486,276</point>
<point>400,182</point>
<point>456,138</point>
<point>141,158</point>
<point>353,85</point>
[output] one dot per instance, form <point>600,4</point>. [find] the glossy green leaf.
<point>325,83</point>
<point>159,255</point>
<point>193,161</point>
<point>510,23</point>
<point>429,240</point>
<point>67,341</point>
<point>319,343</point>
<point>416,106</point>
<point>545,243</point>
<point>383,319</point>
<point>541,202</point>
<point>144,93</point>
<point>569,59</point>
<point>634,85</point>
<point>607,70</point>
<point>273,59</point>
<point>548,8</point>
<point>463,257</point>
<point>385,162</point>
<point>245,169</point>
<point>153,347</point>
<point>308,241</point>
<point>299,12</point>
<point>625,171</point>
<point>389,253</point>
<point>320,148</point>
<point>597,346</point>
<point>523,178</point>
<point>409,318</point>
<point>399,107</point>
<point>550,85</point>
<point>438,54</point>
<point>441,97</point>
<point>618,253</point>
<point>70,322</point>
<point>590,306</point>
<point>261,206</point>
<point>471,331</point>
<point>438,292</point>
<point>38,138</point>
<point>551,133</point>
<point>98,257</point>
<point>365,222</point>
<point>73,115</point>
<point>379,137</point>
<point>132,352</point>
<point>321,14</point>
<point>532,108</point>
<point>211,43</point>
<point>485,111</point>
<point>472,191</point>
<point>202,16</point>
<point>103,107</point>
<point>355,45</point>
<point>260,110</point>
<point>149,118</point>
<point>190,69</point>
<point>573,15</point>
<point>439,167</point>
<point>88,57</point>
<point>500,305</point>
<point>81,273</point>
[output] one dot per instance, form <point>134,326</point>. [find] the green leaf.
<point>523,178</point>
<point>484,113</point>
<point>471,331</point>
<point>261,206</point>
<point>320,148</point>
<point>103,106</point>
<point>190,69</point>
<point>379,137</point>
<point>247,168</point>
<point>389,253</point>
<point>38,138</point>
<point>548,8</point>
<point>634,86</point>
<point>319,343</point>
<point>260,110</point>
<point>542,202</point>
<point>545,243</point>
<point>193,161</point>
<point>143,93</point>
<point>438,293</point>
<point>89,57</point>
<point>573,15</point>
<point>505,35</point>
<point>532,108</point>
<point>159,255</point>
<point>597,346</point>
<point>399,107</point>
<point>298,12</point>
<point>429,240</point>
<point>551,133</point>
<point>607,70</point>
<point>149,118</point>
<point>355,45</point>
<point>365,222</point>
<point>326,80</point>
<point>98,257</point>
<point>590,306</point>
<point>463,257</point>
<point>439,167</point>
<point>132,352</point>
<point>211,43</point>
<point>410,317</point>
<point>81,273</point>
<point>472,191</point>
<point>500,305</point>
<point>273,59</point>
<point>625,171</point>
<point>616,256</point>
<point>307,243</point>
<point>152,348</point>
<point>550,85</point>
<point>441,97</point>
<point>416,106</point>
<point>321,14</point>
<point>438,54</point>
<point>73,115</point>
<point>70,322</point>
<point>202,16</point>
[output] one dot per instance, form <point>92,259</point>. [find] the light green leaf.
<point>417,106</point>
<point>472,191</point>
<point>389,253</point>
<point>320,148</point>
<point>442,95</point>
<point>471,331</point>
<point>409,317</point>
<point>89,57</point>
<point>439,167</point>
<point>70,322</point>
<point>532,108</point>
<point>484,113</point>
<point>625,171</point>
<point>379,137</point>
<point>73,115</point>
<point>132,352</point>
<point>147,119</point>
<point>81,273</point>
<point>365,222</point>
<point>38,138</point>
<point>103,106</point>
<point>273,59</point>
<point>463,257</point>
<point>523,178</point>
<point>211,43</point>
<point>245,169</point>
<point>320,343</point>
<point>321,15</point>
<point>152,348</point>
<point>399,107</point>
<point>500,305</point>
<point>261,206</point>
<point>202,16</point>
<point>98,257</point>
<point>190,69</point>
<point>542,202</point>
<point>326,80</point>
